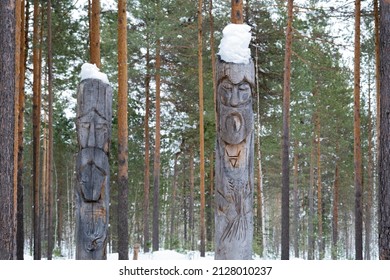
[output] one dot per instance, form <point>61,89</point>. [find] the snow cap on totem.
<point>91,71</point>
<point>234,46</point>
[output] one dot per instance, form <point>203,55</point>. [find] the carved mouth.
<point>234,122</point>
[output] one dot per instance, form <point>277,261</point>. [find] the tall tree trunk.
<point>335,219</point>
<point>259,186</point>
<point>213,63</point>
<point>156,167</point>
<point>377,75</point>
<point>146,161</point>
<point>123,135</point>
<point>286,139</point>
<point>36,131</point>
<point>296,202</point>
<point>172,234</point>
<point>9,88</point>
<point>384,155</point>
<point>357,145</point>
<point>50,131</point>
<point>311,243</point>
<point>20,188</point>
<point>191,202</point>
<point>370,183</point>
<point>321,244</point>
<point>202,222</point>
<point>237,11</point>
<point>95,33</point>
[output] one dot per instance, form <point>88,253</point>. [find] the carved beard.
<point>236,123</point>
<point>92,174</point>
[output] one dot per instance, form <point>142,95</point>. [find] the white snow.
<point>234,46</point>
<point>90,71</point>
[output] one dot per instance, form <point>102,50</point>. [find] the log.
<point>234,166</point>
<point>93,124</point>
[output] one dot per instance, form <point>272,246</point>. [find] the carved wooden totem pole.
<point>93,125</point>
<point>234,161</point>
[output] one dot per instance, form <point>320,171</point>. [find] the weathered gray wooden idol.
<point>234,161</point>
<point>93,123</point>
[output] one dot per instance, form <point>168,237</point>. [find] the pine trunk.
<point>146,161</point>
<point>123,177</point>
<point>357,145</point>
<point>285,238</point>
<point>321,244</point>
<point>201,134</point>
<point>36,131</point>
<point>384,148</point>
<point>296,202</point>
<point>156,167</point>
<point>311,243</point>
<point>237,12</point>
<point>191,203</point>
<point>336,186</point>
<point>370,183</point>
<point>95,33</point>
<point>8,110</point>
<point>172,234</point>
<point>377,73</point>
<point>20,190</point>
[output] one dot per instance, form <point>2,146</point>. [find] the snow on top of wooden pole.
<point>91,71</point>
<point>234,46</point>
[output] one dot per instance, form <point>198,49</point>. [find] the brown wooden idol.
<point>93,125</point>
<point>234,161</point>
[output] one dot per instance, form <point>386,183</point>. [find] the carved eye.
<point>245,91</point>
<point>226,89</point>
<point>85,125</point>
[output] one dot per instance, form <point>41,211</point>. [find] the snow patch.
<point>90,71</point>
<point>234,46</point>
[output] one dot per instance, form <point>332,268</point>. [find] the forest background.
<point>322,161</point>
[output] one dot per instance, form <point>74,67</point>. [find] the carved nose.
<point>235,101</point>
<point>91,136</point>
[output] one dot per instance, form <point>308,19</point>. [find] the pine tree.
<point>123,234</point>
<point>286,138</point>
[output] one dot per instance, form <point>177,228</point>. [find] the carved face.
<point>234,95</point>
<point>93,131</point>
<point>235,114</point>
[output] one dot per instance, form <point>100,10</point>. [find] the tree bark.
<point>20,188</point>
<point>311,243</point>
<point>202,223</point>
<point>8,114</point>
<point>146,161</point>
<point>384,155</point>
<point>93,124</point>
<point>172,234</point>
<point>377,74</point>
<point>191,202</point>
<point>123,135</point>
<point>237,16</point>
<point>36,131</point>
<point>156,167</point>
<point>234,165</point>
<point>286,139</point>
<point>357,145</point>
<point>50,132</point>
<point>95,33</point>
<point>336,186</point>
<point>370,183</point>
<point>296,203</point>
<point>321,244</point>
